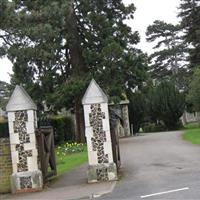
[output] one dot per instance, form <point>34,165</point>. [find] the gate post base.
<point>25,182</point>
<point>102,172</point>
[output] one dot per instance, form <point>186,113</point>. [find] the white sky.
<point>147,12</point>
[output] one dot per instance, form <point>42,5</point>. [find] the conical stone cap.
<point>94,94</point>
<point>20,100</point>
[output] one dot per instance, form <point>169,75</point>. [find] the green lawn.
<point>70,156</point>
<point>69,162</point>
<point>192,133</point>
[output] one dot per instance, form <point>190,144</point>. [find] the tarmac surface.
<point>154,166</point>
<point>158,166</point>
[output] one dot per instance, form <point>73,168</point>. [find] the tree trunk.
<point>80,128</point>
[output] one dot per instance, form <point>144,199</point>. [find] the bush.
<point>166,104</point>
<point>63,128</point>
<point>4,132</point>
<point>137,110</point>
<point>152,127</point>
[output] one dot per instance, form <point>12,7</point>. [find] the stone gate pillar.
<point>125,116</point>
<point>97,131</point>
<point>22,119</point>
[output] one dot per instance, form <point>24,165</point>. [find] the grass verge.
<point>192,133</point>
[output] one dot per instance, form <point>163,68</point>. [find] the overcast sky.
<point>147,12</point>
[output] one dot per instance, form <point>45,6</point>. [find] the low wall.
<point>5,165</point>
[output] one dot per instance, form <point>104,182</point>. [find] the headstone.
<point>22,120</point>
<point>97,131</point>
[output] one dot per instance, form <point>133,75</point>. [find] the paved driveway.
<point>158,166</point>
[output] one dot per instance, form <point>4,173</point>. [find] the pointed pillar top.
<point>94,94</point>
<point>20,100</point>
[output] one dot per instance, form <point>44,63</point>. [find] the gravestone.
<point>22,120</point>
<point>97,131</point>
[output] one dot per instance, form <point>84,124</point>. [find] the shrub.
<point>152,127</point>
<point>4,132</point>
<point>194,90</point>
<point>137,110</point>
<point>166,104</point>
<point>63,128</point>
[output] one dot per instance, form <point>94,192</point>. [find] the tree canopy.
<point>168,60</point>
<point>194,90</point>
<point>57,46</point>
<point>190,23</point>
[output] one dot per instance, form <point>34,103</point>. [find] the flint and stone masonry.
<point>97,131</point>
<point>22,120</point>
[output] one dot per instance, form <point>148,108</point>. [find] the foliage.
<point>194,90</point>
<point>168,59</point>
<point>57,45</point>
<point>166,103</point>
<point>63,128</point>
<point>190,22</point>
<point>137,110</point>
<point>153,127</point>
<point>4,94</point>
<point>4,133</point>
<point>68,148</point>
<point>69,157</point>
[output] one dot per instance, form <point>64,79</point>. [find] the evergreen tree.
<point>168,61</point>
<point>166,103</point>
<point>56,46</point>
<point>194,90</point>
<point>190,23</point>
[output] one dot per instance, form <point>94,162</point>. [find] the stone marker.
<point>97,131</point>
<point>22,120</point>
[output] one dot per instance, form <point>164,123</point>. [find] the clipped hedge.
<point>63,128</point>
<point>4,132</point>
<point>152,127</point>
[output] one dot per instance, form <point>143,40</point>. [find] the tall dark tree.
<point>166,103</point>
<point>59,45</point>
<point>4,94</point>
<point>168,60</point>
<point>189,12</point>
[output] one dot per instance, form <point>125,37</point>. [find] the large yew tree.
<point>57,46</point>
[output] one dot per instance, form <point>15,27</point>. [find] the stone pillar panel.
<point>97,131</point>
<point>22,125</point>
<point>125,116</point>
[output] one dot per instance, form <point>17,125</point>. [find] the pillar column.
<point>22,120</point>
<point>97,131</point>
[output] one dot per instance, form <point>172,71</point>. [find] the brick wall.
<point>5,165</point>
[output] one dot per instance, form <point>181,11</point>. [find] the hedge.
<point>4,133</point>
<point>63,128</point>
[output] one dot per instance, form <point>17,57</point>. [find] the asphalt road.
<point>158,164</point>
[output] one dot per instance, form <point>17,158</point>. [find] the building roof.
<point>20,100</point>
<point>94,94</point>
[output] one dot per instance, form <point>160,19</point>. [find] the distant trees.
<point>169,55</point>
<point>194,90</point>
<point>4,94</point>
<point>166,103</point>
<point>190,23</point>
<point>137,110</point>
